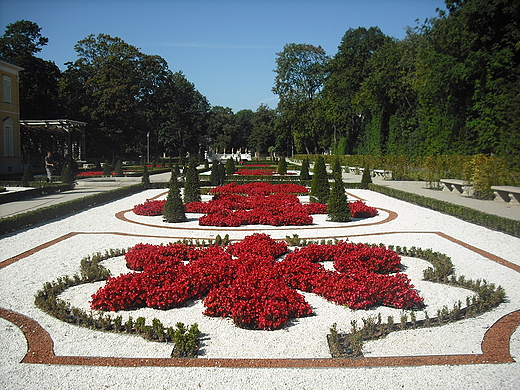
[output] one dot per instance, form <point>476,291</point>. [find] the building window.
<point>8,140</point>
<point>7,89</point>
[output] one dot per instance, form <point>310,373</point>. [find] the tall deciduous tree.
<point>348,69</point>
<point>39,79</point>
<point>300,74</point>
<point>183,117</point>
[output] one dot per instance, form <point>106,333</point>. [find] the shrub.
<point>119,169</point>
<point>146,177</point>
<point>366,179</point>
<point>67,175</point>
<point>282,166</point>
<point>304,171</point>
<point>27,176</point>
<point>174,208</point>
<point>336,167</point>
<point>107,169</point>
<point>338,209</point>
<point>320,186</point>
<point>230,166</point>
<point>192,184</point>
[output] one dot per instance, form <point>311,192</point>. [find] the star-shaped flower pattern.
<point>252,283</point>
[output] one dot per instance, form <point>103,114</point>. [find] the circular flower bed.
<point>255,204</point>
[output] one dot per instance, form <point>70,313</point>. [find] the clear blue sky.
<point>227,48</point>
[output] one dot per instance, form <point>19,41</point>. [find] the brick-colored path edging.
<point>495,345</point>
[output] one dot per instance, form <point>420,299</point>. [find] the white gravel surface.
<point>303,338</point>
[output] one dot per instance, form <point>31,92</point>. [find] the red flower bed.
<point>246,282</point>
<point>254,172</point>
<point>93,173</point>
<point>150,207</point>
<point>359,209</point>
<point>255,204</point>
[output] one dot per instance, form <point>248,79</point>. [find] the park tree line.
<point>451,86</point>
<point>128,98</point>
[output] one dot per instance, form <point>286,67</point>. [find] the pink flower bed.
<point>247,281</point>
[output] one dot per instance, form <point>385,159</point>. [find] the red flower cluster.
<point>92,173</point>
<point>359,209</point>
<point>255,204</point>
<point>260,188</point>
<point>254,172</point>
<point>246,282</point>
<point>150,207</point>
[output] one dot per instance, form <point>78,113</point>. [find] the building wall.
<point>10,149</point>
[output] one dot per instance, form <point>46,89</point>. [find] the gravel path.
<point>99,229</point>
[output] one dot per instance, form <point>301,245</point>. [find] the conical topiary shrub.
<point>107,169</point>
<point>221,174</point>
<point>282,166</point>
<point>338,209</point>
<point>304,171</point>
<point>230,166</point>
<point>146,177</point>
<point>67,174</point>
<point>366,179</point>
<point>174,210</point>
<point>336,167</point>
<point>214,175</point>
<point>320,186</point>
<point>192,184</point>
<point>27,175</point>
<point>119,169</point>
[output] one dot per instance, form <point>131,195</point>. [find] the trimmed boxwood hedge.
<point>495,222</point>
<point>30,218</point>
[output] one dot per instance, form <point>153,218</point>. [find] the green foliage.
<point>218,173</point>
<point>366,179</point>
<point>174,210</point>
<point>107,169</point>
<point>192,184</point>
<point>45,214</point>
<point>186,340</point>
<point>505,225</point>
<point>119,169</point>
<point>336,167</point>
<point>338,209</point>
<point>304,171</point>
<point>320,186</point>
<point>282,166</point>
<point>146,177</point>
<point>27,176</point>
<point>230,166</point>
<point>67,174</point>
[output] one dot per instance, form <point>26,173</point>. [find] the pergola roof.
<point>52,122</point>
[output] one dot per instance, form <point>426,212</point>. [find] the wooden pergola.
<point>74,149</point>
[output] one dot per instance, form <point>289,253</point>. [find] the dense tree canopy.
<point>451,86</point>
<point>39,78</point>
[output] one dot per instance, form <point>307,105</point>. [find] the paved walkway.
<point>91,186</point>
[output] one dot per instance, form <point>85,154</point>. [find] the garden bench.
<point>504,191</point>
<point>383,173</point>
<point>459,185</point>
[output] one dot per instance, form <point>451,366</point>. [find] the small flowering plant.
<point>250,283</point>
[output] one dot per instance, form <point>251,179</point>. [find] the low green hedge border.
<point>30,218</point>
<point>495,222</point>
<point>34,192</point>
